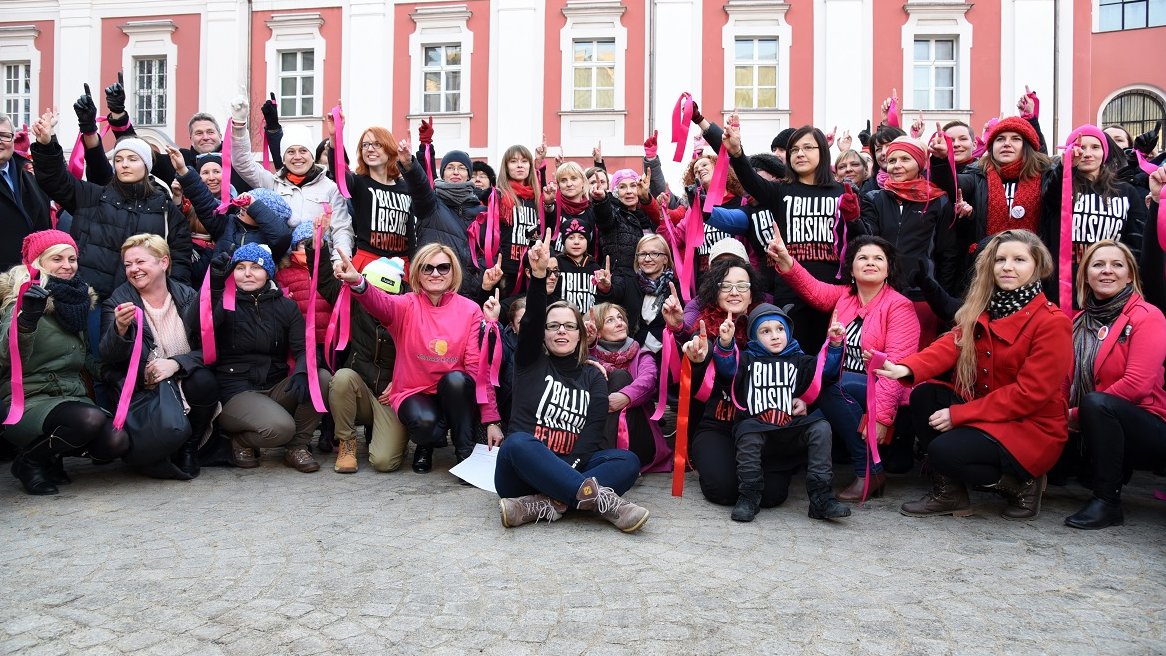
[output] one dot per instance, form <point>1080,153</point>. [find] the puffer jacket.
<point>254,341</point>
<point>297,285</point>
<point>439,223</point>
<point>52,358</point>
<point>306,200</point>
<point>116,349</point>
<point>620,229</point>
<point>103,219</point>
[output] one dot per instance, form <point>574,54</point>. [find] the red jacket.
<point>1022,364</point>
<point>1135,375</point>
<point>296,285</point>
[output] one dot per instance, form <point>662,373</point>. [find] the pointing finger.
<point>87,89</point>
<point>703,330</point>
<point>672,288</point>
<point>497,294</point>
<point>607,264</point>
<point>119,79</point>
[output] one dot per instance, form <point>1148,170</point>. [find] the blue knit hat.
<point>766,312</point>
<point>303,232</point>
<point>273,201</point>
<point>257,253</point>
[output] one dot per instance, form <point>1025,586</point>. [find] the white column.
<point>226,60</point>
<point>843,65</point>
<point>78,58</point>
<point>367,73</point>
<point>516,93</point>
<point>678,68</point>
<point>1026,55</point>
<point>1064,90</point>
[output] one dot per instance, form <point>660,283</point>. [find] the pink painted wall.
<point>1108,61</point>
<point>801,63</point>
<point>985,64</point>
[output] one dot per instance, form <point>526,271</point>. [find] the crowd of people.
<point>959,301</point>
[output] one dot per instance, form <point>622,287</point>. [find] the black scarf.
<point>70,303</point>
<point>657,288</point>
<point>1087,339</point>
<point>456,195</point>
<point>1006,303</point>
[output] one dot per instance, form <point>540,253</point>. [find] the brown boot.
<point>301,460</point>
<point>242,456</point>
<point>346,458</point>
<point>1023,498</point>
<point>947,497</point>
<point>530,508</point>
<point>853,492</point>
<point>627,516</point>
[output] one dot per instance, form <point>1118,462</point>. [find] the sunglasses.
<point>440,269</point>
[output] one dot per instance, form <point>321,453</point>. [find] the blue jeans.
<point>526,466</point>
<point>843,404</point>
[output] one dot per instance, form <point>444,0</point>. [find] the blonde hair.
<point>980,292</point>
<point>649,238</point>
<point>49,252</point>
<point>599,313</point>
<point>1087,256</point>
<point>570,167</point>
<point>428,252</point>
<point>152,244</point>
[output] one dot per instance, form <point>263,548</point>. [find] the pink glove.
<point>650,146</point>
<point>20,143</point>
<point>848,204</point>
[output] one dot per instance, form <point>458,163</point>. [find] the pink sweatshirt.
<point>431,341</point>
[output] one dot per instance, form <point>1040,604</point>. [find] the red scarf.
<point>1027,197</point>
<point>523,191</point>
<point>714,316</point>
<point>572,207</point>
<point>919,190</point>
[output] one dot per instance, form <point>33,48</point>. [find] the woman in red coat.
<point>1005,423</point>
<point>1118,403</point>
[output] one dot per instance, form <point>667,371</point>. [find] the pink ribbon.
<point>681,120</point>
<point>693,238</point>
<point>672,238</point>
<point>228,292</point>
<point>542,212</point>
<point>16,410</point>
<point>621,430</point>
<point>266,149</point>
<point>815,388</point>
<point>206,321</point>
<point>339,326</point>
<point>669,365</point>
<point>340,162</point>
<point>489,366</point>
<point>225,185</point>
<point>127,390</point>
<point>1035,113</point>
<point>893,113</point>
<point>1065,247</point>
<point>493,229</point>
<point>719,180</point>
<point>429,173</point>
<point>1162,219</point>
<point>877,359</point>
<point>76,164</point>
<point>310,323</point>
<point>1146,167</point>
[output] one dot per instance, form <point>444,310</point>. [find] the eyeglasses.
<point>651,256</point>
<point>440,269</point>
<point>371,145</point>
<point>802,149</point>
<point>553,272</point>
<point>741,287</point>
<point>7,136</point>
<point>556,326</point>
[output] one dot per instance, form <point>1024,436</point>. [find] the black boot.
<point>186,458</point>
<point>327,443</point>
<point>748,504</point>
<point>31,468</point>
<point>823,505</point>
<point>56,471</point>
<point>1098,513</point>
<point>422,459</point>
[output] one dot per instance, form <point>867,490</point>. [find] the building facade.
<point>585,73</point>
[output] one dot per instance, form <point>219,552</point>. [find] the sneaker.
<point>243,456</point>
<point>301,460</point>
<point>346,458</point>
<point>530,508</point>
<point>627,516</point>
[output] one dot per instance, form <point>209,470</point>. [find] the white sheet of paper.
<point>478,469</point>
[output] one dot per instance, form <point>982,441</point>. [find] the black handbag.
<point>156,423</point>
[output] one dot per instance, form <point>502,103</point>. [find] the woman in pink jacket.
<point>437,335</point>
<point>1117,401</point>
<point>877,318</point>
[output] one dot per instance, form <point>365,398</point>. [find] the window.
<point>1136,111</point>
<point>150,91</point>
<point>755,74</point>
<point>934,74</point>
<point>593,66</point>
<point>442,78</point>
<point>18,92</point>
<point>1113,15</point>
<point>297,83</point>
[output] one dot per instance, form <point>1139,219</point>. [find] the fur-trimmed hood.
<point>12,279</point>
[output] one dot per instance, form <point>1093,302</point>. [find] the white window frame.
<point>23,115</point>
<point>933,65</point>
<point>756,65</point>
<point>442,25</point>
<point>18,46</point>
<point>592,20</point>
<point>758,19</point>
<point>938,19</point>
<point>135,108</point>
<point>297,32</point>
<point>593,66</point>
<point>443,69</point>
<point>299,74</point>
<point>151,40</point>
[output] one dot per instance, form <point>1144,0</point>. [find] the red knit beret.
<point>38,242</point>
<point>1017,125</point>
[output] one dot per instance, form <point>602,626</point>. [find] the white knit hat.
<point>297,135</point>
<point>138,147</point>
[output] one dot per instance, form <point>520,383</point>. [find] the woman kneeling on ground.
<point>1005,424</point>
<point>553,458</point>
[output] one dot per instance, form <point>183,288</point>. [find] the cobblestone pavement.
<point>270,561</point>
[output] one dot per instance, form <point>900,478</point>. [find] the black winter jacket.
<point>923,235</point>
<point>254,341</point>
<point>103,219</point>
<point>20,221</point>
<point>439,223</point>
<point>116,349</point>
<point>620,230</point>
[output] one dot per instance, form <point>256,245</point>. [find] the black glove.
<point>270,114</point>
<point>32,308</point>
<point>864,136</point>
<point>298,387</point>
<point>1146,141</point>
<point>115,96</point>
<point>696,115</point>
<point>86,113</point>
<point>220,268</point>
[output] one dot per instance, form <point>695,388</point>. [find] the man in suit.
<point>24,208</point>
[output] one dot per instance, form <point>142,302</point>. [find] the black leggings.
<point>75,428</point>
<point>714,455</point>
<point>966,454</point>
<point>201,390</point>
<point>426,417</point>
<point>1119,437</point>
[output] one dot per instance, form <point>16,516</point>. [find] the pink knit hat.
<point>38,242</point>
<point>1089,130</point>
<point>621,175</point>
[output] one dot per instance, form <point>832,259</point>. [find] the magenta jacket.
<point>431,341</point>
<point>1135,375</point>
<point>889,324</point>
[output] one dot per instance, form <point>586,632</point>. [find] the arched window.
<point>1137,111</point>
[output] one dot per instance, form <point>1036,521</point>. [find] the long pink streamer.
<point>681,120</point>
<point>310,324</point>
<point>16,410</point>
<point>206,321</point>
<point>1065,247</point>
<point>669,365</point>
<point>487,372</point>
<point>225,185</point>
<point>340,165</point>
<point>132,374</point>
<point>719,180</point>
<point>339,326</point>
<point>76,165</point>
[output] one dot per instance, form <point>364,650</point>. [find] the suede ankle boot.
<point>947,497</point>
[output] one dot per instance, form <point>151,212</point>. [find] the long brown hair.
<point>1035,162</point>
<point>504,178</point>
<point>388,143</point>
<point>980,292</point>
